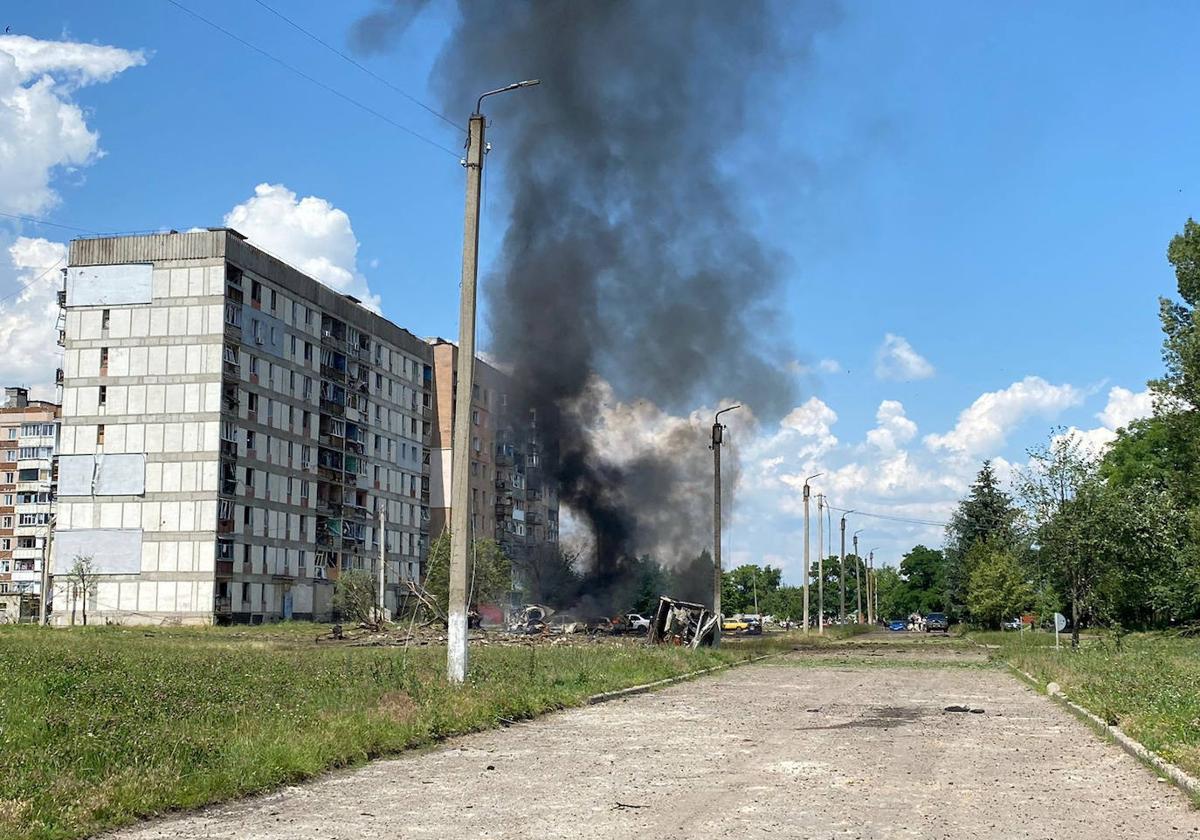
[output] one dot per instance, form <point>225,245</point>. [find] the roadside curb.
<point>632,690</point>
<point>1186,782</point>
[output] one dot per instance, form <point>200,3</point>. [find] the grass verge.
<point>102,726</point>
<point>1148,685</point>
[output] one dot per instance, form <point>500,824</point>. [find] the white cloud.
<point>42,130</point>
<point>28,319</point>
<point>821,366</point>
<point>1124,406</point>
<point>897,360</point>
<point>985,424</point>
<point>813,419</point>
<point>894,427</point>
<point>309,233</point>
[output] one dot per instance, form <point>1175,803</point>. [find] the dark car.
<point>937,621</point>
<point>897,624</point>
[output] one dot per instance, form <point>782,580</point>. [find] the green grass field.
<point>1149,684</point>
<point>101,726</point>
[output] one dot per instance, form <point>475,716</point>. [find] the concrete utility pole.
<point>43,605</point>
<point>872,590</point>
<point>460,456</point>
<point>718,437</point>
<point>806,529</point>
<point>382,579</point>
<point>842,573</point>
<point>857,579</point>
<point>820,564</point>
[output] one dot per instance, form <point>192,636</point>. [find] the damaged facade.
<point>232,431</point>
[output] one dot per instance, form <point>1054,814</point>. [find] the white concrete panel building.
<point>233,434</point>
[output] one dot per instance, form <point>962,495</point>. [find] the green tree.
<point>1180,385</point>
<point>740,586</point>
<point>986,515</point>
<point>489,572</point>
<point>923,570</point>
<point>785,603</point>
<point>548,575</point>
<point>895,598</point>
<point>354,596</point>
<point>997,589</point>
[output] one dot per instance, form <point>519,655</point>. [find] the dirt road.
<point>852,743</point>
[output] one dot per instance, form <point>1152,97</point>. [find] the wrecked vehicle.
<point>683,623</point>
<point>530,619</point>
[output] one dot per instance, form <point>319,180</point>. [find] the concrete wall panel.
<point>98,285</point>
<point>113,551</point>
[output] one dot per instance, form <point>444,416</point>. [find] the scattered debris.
<point>964,709</point>
<point>622,805</point>
<point>682,623</point>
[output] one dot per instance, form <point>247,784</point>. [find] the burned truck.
<point>683,623</point>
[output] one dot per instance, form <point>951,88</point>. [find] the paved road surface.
<point>805,747</point>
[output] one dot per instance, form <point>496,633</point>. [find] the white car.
<point>637,622</point>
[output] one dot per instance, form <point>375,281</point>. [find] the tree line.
<point>1110,538</point>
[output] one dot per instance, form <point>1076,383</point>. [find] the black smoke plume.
<point>626,257</point>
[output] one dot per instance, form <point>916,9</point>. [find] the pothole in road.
<point>878,717</point>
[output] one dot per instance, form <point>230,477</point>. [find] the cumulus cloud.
<point>29,314</point>
<point>309,233</point>
<point>894,427</point>
<point>1123,407</point>
<point>985,424</point>
<point>897,360</point>
<point>43,132</point>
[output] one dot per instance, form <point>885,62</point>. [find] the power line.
<point>890,518</point>
<point>317,82</point>
<point>12,295</point>
<point>36,221</point>
<point>361,67</point>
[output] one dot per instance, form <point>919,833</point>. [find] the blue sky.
<point>993,183</point>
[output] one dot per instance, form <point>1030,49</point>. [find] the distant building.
<point>28,445</point>
<point>231,432</point>
<point>511,502</point>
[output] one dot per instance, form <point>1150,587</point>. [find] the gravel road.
<point>805,746</point>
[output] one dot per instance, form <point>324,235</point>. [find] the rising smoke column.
<point>626,260</point>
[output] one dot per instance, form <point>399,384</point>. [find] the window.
<point>233,315</point>
<point>230,354</point>
<point>103,360</point>
<point>308,387</point>
<point>8,499</point>
<point>272,334</point>
<point>99,436</point>
<point>249,479</point>
<point>105,318</point>
<point>9,478</point>
<point>250,440</point>
<point>252,402</point>
<point>246,592</point>
<point>228,432</point>
<point>103,399</point>
<point>12,432</point>
<point>6,545</point>
<point>307,351</point>
<point>295,344</point>
<point>6,522</point>
<point>248,516</point>
<point>273,300</point>
<point>303,492</point>
<point>254,366</point>
<point>256,291</point>
<point>475,416</point>
<point>308,317</point>
<point>475,444</point>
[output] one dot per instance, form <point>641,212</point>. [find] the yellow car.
<point>733,625</point>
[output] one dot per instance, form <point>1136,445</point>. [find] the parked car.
<point>1012,624</point>
<point>937,621</point>
<point>735,624</point>
<point>637,622</point>
<point>898,624</point>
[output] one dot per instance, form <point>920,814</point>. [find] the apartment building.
<point>28,444</point>
<point>235,435</point>
<point>511,501</point>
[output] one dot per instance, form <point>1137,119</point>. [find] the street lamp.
<point>806,566</point>
<point>872,589</point>
<point>718,437</point>
<point>460,453</point>
<point>857,579</point>
<point>842,572</point>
